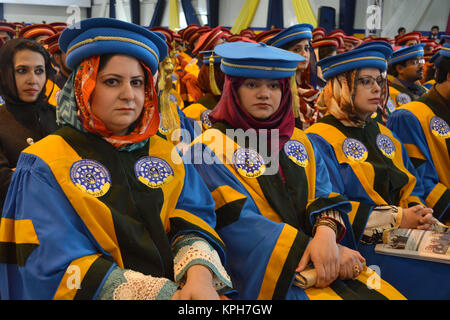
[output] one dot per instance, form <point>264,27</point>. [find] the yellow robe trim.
<point>60,156</point>
<point>437,145</point>
<point>18,231</point>
<point>73,277</point>
<point>276,262</point>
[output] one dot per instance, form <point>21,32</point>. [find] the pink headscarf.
<point>229,110</point>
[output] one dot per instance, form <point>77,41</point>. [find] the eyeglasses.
<point>369,81</point>
<point>415,62</point>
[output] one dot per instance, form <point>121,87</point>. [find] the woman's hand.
<point>348,259</point>
<point>417,217</point>
<point>324,253</point>
<point>199,285</point>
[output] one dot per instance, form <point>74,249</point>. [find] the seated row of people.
<point>106,208</point>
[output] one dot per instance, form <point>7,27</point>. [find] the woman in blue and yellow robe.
<point>369,166</point>
<point>90,215</point>
<point>268,209</point>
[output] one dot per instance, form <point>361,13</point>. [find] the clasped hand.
<point>330,260</point>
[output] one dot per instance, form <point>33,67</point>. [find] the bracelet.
<point>325,221</point>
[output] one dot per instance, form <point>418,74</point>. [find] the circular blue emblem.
<point>402,98</point>
<point>386,146</point>
<point>296,151</point>
<point>204,117</point>
<point>354,150</point>
<point>91,177</point>
<point>153,172</point>
<point>439,127</point>
<point>248,163</point>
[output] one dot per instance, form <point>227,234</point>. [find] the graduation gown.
<point>266,223</point>
<point>77,207</point>
<point>370,166</point>
<point>423,127</point>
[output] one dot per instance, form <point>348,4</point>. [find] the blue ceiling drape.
<point>213,13</point>
<point>275,14</point>
<point>347,15</point>
<point>158,13</point>
<point>112,8</point>
<point>135,8</point>
<point>189,12</point>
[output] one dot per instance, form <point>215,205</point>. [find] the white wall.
<point>228,11</point>
<point>436,14</point>
<point>37,13</point>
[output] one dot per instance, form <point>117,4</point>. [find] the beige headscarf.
<point>337,99</point>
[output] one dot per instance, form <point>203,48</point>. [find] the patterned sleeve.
<point>125,284</point>
<point>189,250</point>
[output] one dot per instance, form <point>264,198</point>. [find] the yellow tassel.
<point>212,79</point>
<point>168,115</point>
<point>295,98</point>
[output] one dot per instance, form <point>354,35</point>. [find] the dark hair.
<point>435,27</point>
<point>326,51</point>
<point>290,44</point>
<point>311,76</point>
<point>392,70</point>
<point>401,29</point>
<point>442,69</point>
<point>8,88</point>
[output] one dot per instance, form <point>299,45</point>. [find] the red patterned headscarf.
<point>146,125</point>
<point>229,110</point>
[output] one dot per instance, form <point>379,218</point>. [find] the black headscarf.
<point>8,88</point>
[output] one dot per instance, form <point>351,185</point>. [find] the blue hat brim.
<point>98,36</point>
<point>257,60</point>
<point>297,32</point>
<point>368,56</point>
<point>407,53</point>
<point>445,50</point>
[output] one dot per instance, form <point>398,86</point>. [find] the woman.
<point>26,117</point>
<point>297,39</point>
<point>369,166</point>
<point>268,208</point>
<point>98,210</point>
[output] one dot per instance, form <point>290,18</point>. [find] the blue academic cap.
<point>369,55</point>
<point>407,53</point>
<point>444,51</point>
<point>257,60</point>
<point>295,32</point>
<point>98,36</point>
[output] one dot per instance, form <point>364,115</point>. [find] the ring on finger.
<point>356,271</point>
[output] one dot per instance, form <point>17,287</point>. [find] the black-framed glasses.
<point>369,81</point>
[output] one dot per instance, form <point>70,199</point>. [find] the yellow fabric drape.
<point>245,16</point>
<point>174,15</point>
<point>304,12</point>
